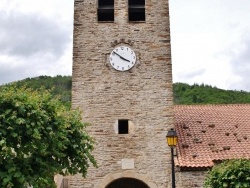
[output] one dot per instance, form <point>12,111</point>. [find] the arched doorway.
<point>127,183</point>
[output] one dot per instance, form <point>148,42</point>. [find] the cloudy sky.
<point>210,40</point>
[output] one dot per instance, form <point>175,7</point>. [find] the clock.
<point>122,58</point>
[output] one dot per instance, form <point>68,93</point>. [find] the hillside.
<point>60,86</point>
<point>205,94</point>
<point>183,93</point>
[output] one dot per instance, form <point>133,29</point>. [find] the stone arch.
<point>107,181</point>
<point>127,182</point>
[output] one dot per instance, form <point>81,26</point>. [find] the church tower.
<point>122,81</point>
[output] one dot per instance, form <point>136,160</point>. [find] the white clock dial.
<point>122,58</point>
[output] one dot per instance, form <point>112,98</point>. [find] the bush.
<point>229,174</point>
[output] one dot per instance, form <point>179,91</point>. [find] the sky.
<point>210,40</point>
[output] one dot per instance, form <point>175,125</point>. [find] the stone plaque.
<point>128,163</point>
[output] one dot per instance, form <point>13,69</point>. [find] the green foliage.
<point>183,93</point>
<point>229,174</point>
<point>59,86</point>
<point>39,138</point>
<point>204,94</point>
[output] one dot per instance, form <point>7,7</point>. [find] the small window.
<point>136,10</point>
<point>105,10</point>
<point>123,126</point>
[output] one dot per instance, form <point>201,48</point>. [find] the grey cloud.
<point>10,73</point>
<point>21,68</point>
<point>27,35</point>
<point>241,64</point>
<point>191,74</point>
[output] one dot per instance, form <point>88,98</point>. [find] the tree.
<point>58,86</point>
<point>229,174</point>
<point>39,138</point>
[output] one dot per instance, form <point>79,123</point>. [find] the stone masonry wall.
<point>143,95</point>
<point>190,179</point>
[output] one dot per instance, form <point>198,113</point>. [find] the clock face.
<point>122,58</point>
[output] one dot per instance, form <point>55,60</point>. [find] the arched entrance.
<point>117,180</point>
<point>127,183</point>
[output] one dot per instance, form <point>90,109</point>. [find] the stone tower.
<point>122,81</point>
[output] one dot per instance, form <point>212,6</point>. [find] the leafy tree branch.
<point>39,138</point>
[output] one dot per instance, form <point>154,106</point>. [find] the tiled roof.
<point>210,133</point>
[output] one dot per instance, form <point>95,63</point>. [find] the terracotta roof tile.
<point>209,133</point>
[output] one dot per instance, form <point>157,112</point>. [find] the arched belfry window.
<point>105,11</point>
<point>136,10</point>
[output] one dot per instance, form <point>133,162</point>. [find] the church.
<point>122,82</point>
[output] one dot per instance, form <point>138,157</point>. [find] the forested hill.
<point>205,94</point>
<point>183,93</point>
<point>59,86</point>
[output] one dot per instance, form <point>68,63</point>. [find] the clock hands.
<point>121,57</point>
